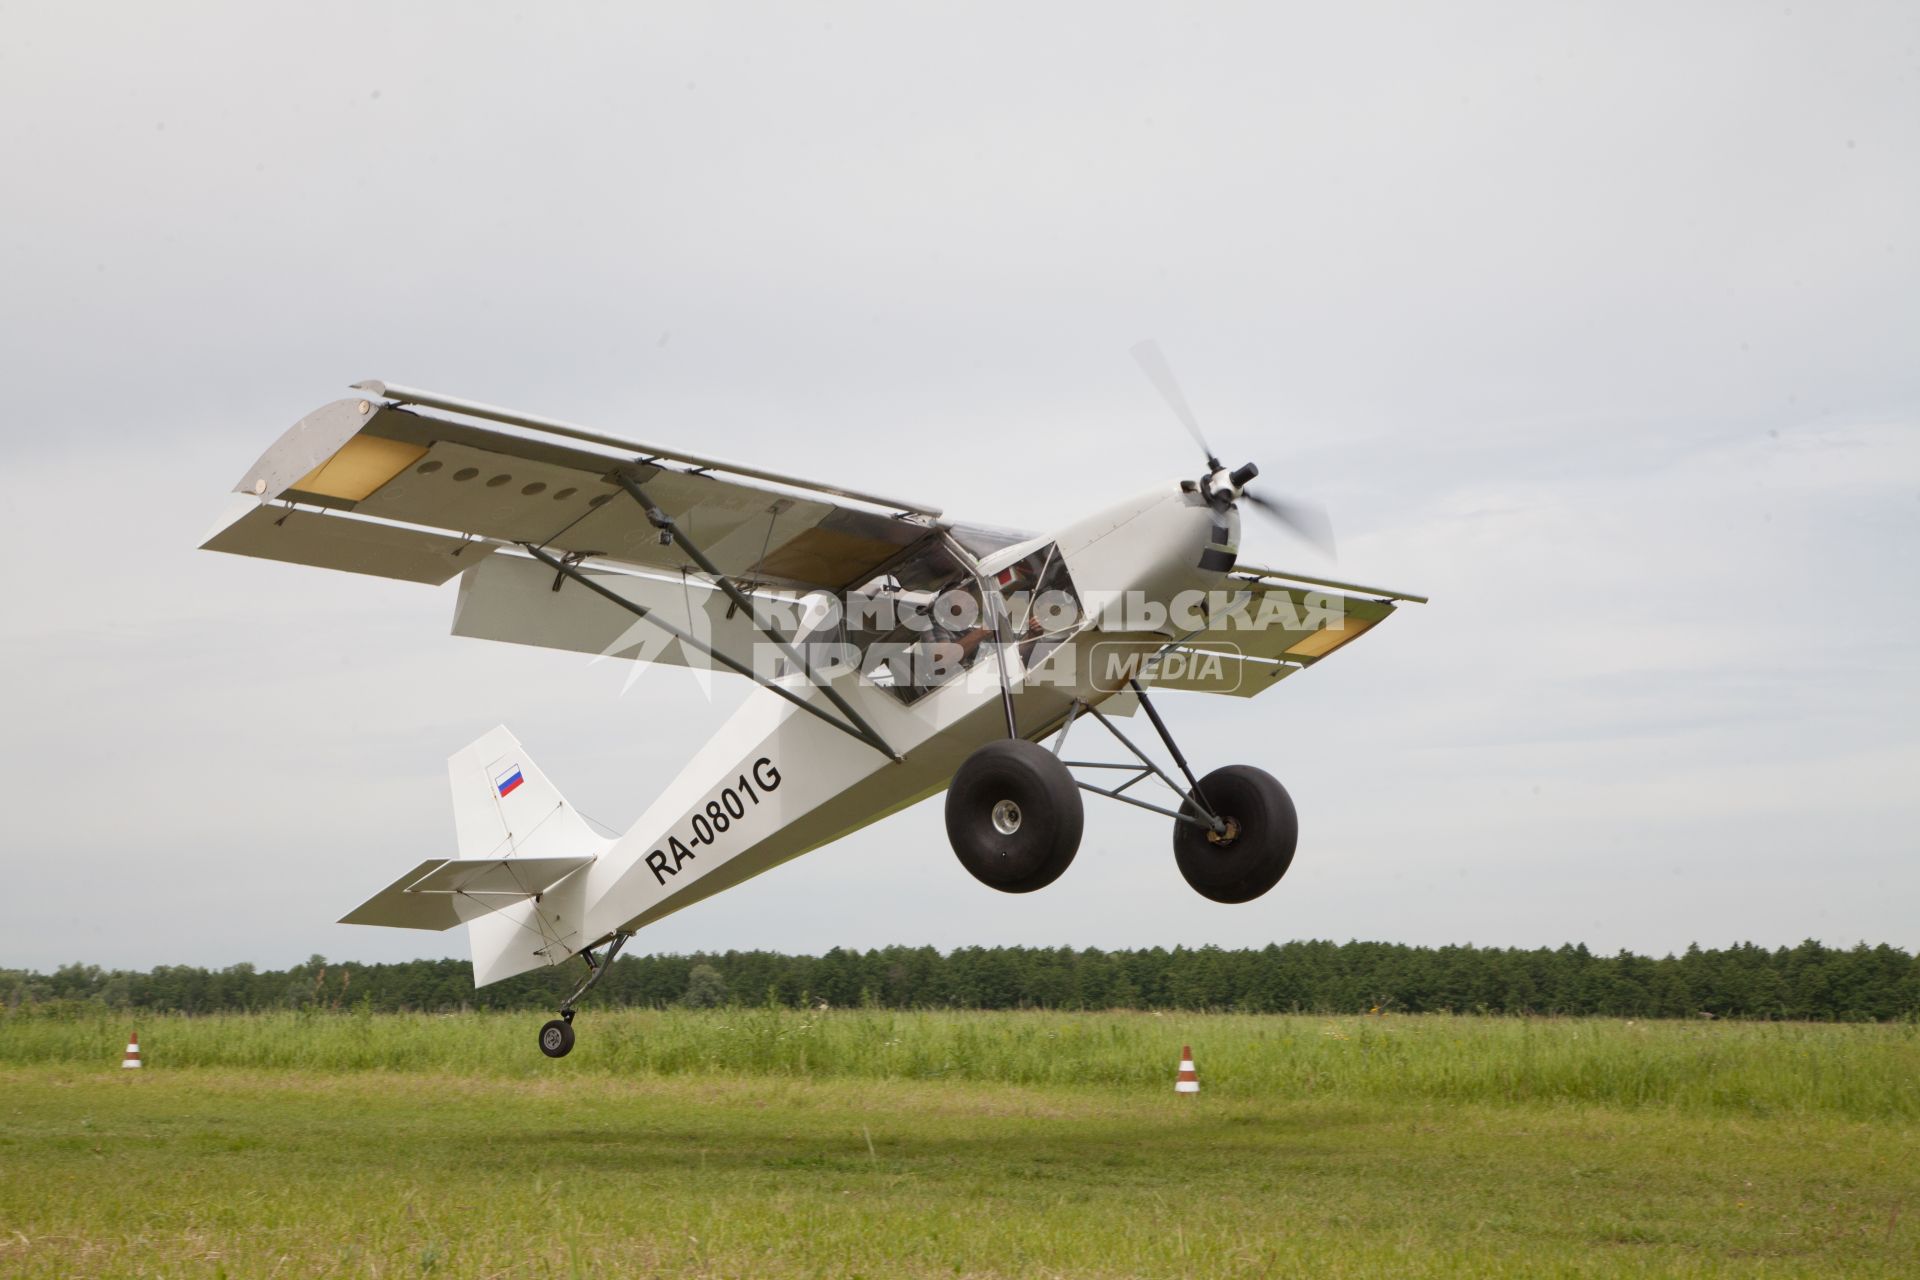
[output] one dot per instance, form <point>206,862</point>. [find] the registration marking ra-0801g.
<point>731,805</point>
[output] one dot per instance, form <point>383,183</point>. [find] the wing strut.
<point>664,522</point>
<point>566,570</point>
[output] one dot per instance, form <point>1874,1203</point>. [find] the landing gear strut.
<point>556,1037</point>
<point>1235,831</point>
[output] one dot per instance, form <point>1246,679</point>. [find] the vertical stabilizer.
<point>504,807</point>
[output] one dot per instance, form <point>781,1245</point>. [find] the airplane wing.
<point>1274,625</point>
<point>395,483</point>
<point>512,598</point>
<point>1183,669</point>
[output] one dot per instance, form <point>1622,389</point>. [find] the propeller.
<point>1304,519</point>
<point>1154,364</point>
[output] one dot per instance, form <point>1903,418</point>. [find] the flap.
<point>513,599</point>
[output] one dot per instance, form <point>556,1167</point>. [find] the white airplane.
<point>896,653</point>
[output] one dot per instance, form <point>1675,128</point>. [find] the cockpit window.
<point>923,622</point>
<point>1042,607</point>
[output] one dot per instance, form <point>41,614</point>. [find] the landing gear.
<point>556,1037</point>
<point>1248,858</point>
<point>1235,831</point>
<point>1014,816</point>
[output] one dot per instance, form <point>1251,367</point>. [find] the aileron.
<point>328,540</point>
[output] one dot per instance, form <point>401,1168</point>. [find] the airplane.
<point>895,654</point>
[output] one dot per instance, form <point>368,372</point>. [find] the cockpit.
<point>927,618</point>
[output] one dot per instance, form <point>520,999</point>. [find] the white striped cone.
<point>133,1051</point>
<point>1187,1082</point>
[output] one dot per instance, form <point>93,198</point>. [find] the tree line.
<point>1810,981</point>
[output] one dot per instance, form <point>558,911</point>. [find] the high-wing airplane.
<point>896,654</point>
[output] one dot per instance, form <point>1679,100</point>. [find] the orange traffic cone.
<point>1187,1082</point>
<point>133,1051</point>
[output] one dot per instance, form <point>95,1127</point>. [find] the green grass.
<point>1859,1070</point>
<point>777,1144</point>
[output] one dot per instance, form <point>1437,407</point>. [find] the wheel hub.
<point>1226,837</point>
<point>1006,817</point>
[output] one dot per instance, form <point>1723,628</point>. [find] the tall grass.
<point>1868,1072</point>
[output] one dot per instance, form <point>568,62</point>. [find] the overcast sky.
<point>1599,323</point>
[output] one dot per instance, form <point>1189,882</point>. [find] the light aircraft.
<point>896,654</point>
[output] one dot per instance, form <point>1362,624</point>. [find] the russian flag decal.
<point>506,782</point>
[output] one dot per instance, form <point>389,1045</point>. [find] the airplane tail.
<point>503,805</point>
<point>520,845</point>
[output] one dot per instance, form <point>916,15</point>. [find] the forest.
<point>1810,981</point>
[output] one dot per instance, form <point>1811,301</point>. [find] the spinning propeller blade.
<point>1304,518</point>
<point>1152,363</point>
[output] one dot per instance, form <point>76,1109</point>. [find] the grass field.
<point>773,1143</point>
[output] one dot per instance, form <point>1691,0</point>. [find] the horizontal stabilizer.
<point>443,892</point>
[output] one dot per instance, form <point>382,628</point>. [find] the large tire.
<point>1014,816</point>
<point>1258,848</point>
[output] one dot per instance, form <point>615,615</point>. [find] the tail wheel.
<point>1014,816</point>
<point>556,1038</point>
<point>1250,856</point>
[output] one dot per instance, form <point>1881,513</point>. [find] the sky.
<point>1598,323</point>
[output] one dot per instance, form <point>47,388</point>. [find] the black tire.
<point>1014,816</point>
<point>1259,846</point>
<point>556,1038</point>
